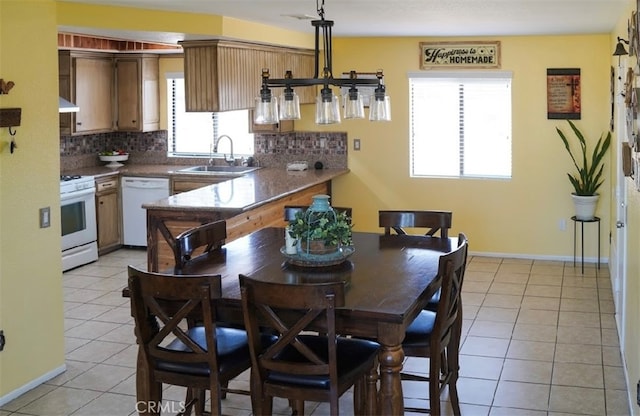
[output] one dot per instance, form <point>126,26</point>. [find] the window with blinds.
<point>192,133</point>
<point>460,124</point>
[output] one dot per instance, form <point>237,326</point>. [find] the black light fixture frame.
<point>326,78</point>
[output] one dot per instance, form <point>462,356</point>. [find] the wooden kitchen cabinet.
<point>108,215</point>
<point>86,79</point>
<point>137,93</point>
<point>225,75</point>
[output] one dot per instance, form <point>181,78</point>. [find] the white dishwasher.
<point>135,192</point>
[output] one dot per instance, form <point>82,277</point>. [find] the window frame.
<point>460,77</point>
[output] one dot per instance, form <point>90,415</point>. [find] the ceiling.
<point>395,17</point>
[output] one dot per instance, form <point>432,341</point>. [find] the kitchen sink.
<point>234,170</point>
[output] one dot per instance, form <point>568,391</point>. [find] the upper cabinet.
<point>86,79</point>
<point>137,93</point>
<point>225,75</point>
<point>113,91</point>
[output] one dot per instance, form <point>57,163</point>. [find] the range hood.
<point>66,106</point>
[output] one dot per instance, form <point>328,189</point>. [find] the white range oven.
<point>78,216</point>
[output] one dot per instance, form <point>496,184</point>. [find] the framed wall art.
<point>563,93</point>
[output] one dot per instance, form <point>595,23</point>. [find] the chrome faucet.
<point>230,160</point>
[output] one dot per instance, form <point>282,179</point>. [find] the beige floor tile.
<point>514,260</point>
<point>113,298</point>
<point>515,268</point>
<point>570,318</point>
<point>62,401</point>
<point>487,347</point>
<point>476,391</point>
<point>83,295</point>
<point>526,371</point>
<point>510,411</point>
<point>491,329</point>
<point>122,333</point>
<point>117,404</point>
<point>522,395</point>
<point>127,386</point>
<point>96,351</point>
<point>579,335</point>
<point>124,358</point>
<point>542,303</point>
<point>502,301</point>
<point>545,280</point>
<point>616,403</point>
<point>87,311</point>
<point>578,375</point>
<point>478,276</point>
<point>470,311</point>
<point>546,291</point>
<point>480,367</point>
<point>531,350</point>
<point>475,266</point>
<point>475,299</point>
<point>577,400</point>
<point>578,353</point>
<point>607,306</point>
<point>74,368</point>
<point>548,269</point>
<point>102,377</point>
<point>78,282</point>
<point>91,329</point>
<point>579,305</point>
<point>540,317</point>
<point>475,287</point>
<point>488,313</point>
<point>579,293</point>
<point>614,378</point>
<point>513,278</point>
<point>533,332</point>
<point>611,356</point>
<point>579,281</point>
<point>71,344</point>
<point>28,397</point>
<point>507,288</point>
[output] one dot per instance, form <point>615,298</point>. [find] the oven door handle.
<point>77,194</point>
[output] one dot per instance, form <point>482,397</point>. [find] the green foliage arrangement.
<point>322,227</point>
<point>588,177</point>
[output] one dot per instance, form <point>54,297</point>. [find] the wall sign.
<point>459,55</point>
<point>563,93</point>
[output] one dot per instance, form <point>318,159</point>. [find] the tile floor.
<point>539,339</point>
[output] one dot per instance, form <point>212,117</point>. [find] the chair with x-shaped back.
<point>436,335</point>
<point>304,365</point>
<point>198,241</point>
<point>435,221</point>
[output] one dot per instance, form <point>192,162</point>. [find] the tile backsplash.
<point>271,150</point>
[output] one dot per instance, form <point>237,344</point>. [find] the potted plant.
<point>321,232</point>
<point>589,168</point>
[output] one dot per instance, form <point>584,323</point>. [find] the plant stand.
<point>582,222</point>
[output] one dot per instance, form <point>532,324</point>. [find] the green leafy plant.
<point>322,227</point>
<point>588,178</point>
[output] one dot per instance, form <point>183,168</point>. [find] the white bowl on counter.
<point>114,160</point>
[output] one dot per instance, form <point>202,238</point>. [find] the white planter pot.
<point>585,206</point>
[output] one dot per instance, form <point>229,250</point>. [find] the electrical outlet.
<point>562,224</point>
<point>45,217</point>
<point>356,144</point>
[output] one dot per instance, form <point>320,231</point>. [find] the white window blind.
<point>192,133</point>
<point>460,124</point>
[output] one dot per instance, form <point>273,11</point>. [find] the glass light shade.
<point>379,110</point>
<point>290,109</point>
<point>327,112</point>
<point>353,108</point>
<point>266,112</point>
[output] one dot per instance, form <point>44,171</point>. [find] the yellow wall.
<point>31,300</point>
<point>518,216</point>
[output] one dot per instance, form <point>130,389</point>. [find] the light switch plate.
<point>356,144</point>
<point>45,217</point>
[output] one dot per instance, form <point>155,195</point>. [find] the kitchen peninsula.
<point>250,202</point>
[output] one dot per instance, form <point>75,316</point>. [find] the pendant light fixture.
<point>267,110</point>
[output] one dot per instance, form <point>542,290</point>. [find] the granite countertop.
<point>235,194</point>
<point>248,191</point>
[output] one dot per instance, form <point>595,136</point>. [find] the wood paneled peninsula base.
<point>248,203</point>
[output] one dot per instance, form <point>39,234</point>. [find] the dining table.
<point>389,280</point>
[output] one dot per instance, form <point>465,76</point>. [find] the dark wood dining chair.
<point>200,358</point>
<point>437,222</point>
<point>436,335</point>
<point>198,241</point>
<point>290,211</point>
<point>303,365</point>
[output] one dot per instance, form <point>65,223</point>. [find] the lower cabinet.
<point>109,215</point>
